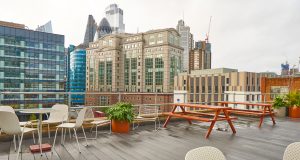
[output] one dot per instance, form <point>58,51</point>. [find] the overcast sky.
<point>250,35</point>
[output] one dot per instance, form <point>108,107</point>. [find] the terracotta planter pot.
<point>294,112</point>
<point>120,126</point>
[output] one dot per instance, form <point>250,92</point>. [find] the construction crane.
<point>207,34</point>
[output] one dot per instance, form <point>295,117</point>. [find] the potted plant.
<point>279,104</point>
<point>293,101</point>
<point>121,115</point>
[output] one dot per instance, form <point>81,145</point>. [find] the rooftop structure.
<point>45,28</point>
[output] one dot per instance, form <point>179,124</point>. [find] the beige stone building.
<point>211,85</point>
<point>135,63</point>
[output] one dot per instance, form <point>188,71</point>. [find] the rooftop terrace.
<point>173,142</point>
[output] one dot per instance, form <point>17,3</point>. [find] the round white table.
<point>40,111</point>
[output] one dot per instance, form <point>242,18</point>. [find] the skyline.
<point>269,33</point>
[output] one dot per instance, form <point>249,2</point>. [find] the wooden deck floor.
<point>172,143</point>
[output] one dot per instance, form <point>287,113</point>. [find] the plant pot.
<point>280,112</point>
<point>120,126</point>
<point>294,112</point>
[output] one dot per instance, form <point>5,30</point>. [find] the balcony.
<point>173,142</point>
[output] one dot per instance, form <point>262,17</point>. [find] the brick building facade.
<point>270,87</point>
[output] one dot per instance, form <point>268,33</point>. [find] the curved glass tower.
<point>77,59</point>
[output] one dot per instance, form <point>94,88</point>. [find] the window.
<point>159,63</point>
<point>109,73</point>
<point>227,80</point>
<point>159,78</point>
<point>126,78</point>
<point>133,78</point>
<point>110,42</point>
<point>101,73</point>
<point>148,71</point>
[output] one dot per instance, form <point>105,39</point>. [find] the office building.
<point>90,30</point>
<point>103,29</point>
<point>114,15</point>
<point>186,41</point>
<point>45,28</point>
<point>30,61</point>
<point>200,56</point>
<point>212,85</point>
<point>133,63</point>
<point>77,72</point>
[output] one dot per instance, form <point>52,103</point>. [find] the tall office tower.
<point>186,41</point>
<point>45,28</point>
<point>76,73</point>
<point>31,61</point>
<point>90,30</point>
<point>135,63</point>
<point>200,57</point>
<point>103,29</point>
<point>114,15</point>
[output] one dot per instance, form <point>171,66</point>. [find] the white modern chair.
<point>59,114</point>
<point>23,124</point>
<point>292,152</point>
<point>205,153</point>
<point>9,123</point>
<point>74,126</point>
<point>147,114</point>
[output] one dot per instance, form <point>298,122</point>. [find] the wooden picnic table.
<point>203,117</point>
<point>266,110</point>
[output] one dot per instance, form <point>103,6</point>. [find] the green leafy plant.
<point>121,112</point>
<point>293,99</point>
<point>279,102</point>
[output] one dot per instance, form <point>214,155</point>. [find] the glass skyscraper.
<point>76,74</point>
<point>30,61</point>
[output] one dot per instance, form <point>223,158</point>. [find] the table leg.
<point>262,117</point>
<point>229,121</point>
<point>272,115</point>
<point>183,111</point>
<point>169,117</point>
<point>41,132</point>
<point>167,121</point>
<point>212,123</point>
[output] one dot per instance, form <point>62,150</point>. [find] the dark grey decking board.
<point>250,142</point>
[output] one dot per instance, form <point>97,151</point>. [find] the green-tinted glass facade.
<point>148,71</point>
<point>31,61</point>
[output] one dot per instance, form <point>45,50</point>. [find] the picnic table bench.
<point>203,117</point>
<point>265,111</point>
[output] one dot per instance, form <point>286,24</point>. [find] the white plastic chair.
<point>10,125</point>
<point>292,152</point>
<point>147,114</point>
<point>59,114</point>
<point>23,124</point>
<point>74,126</point>
<point>205,153</point>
